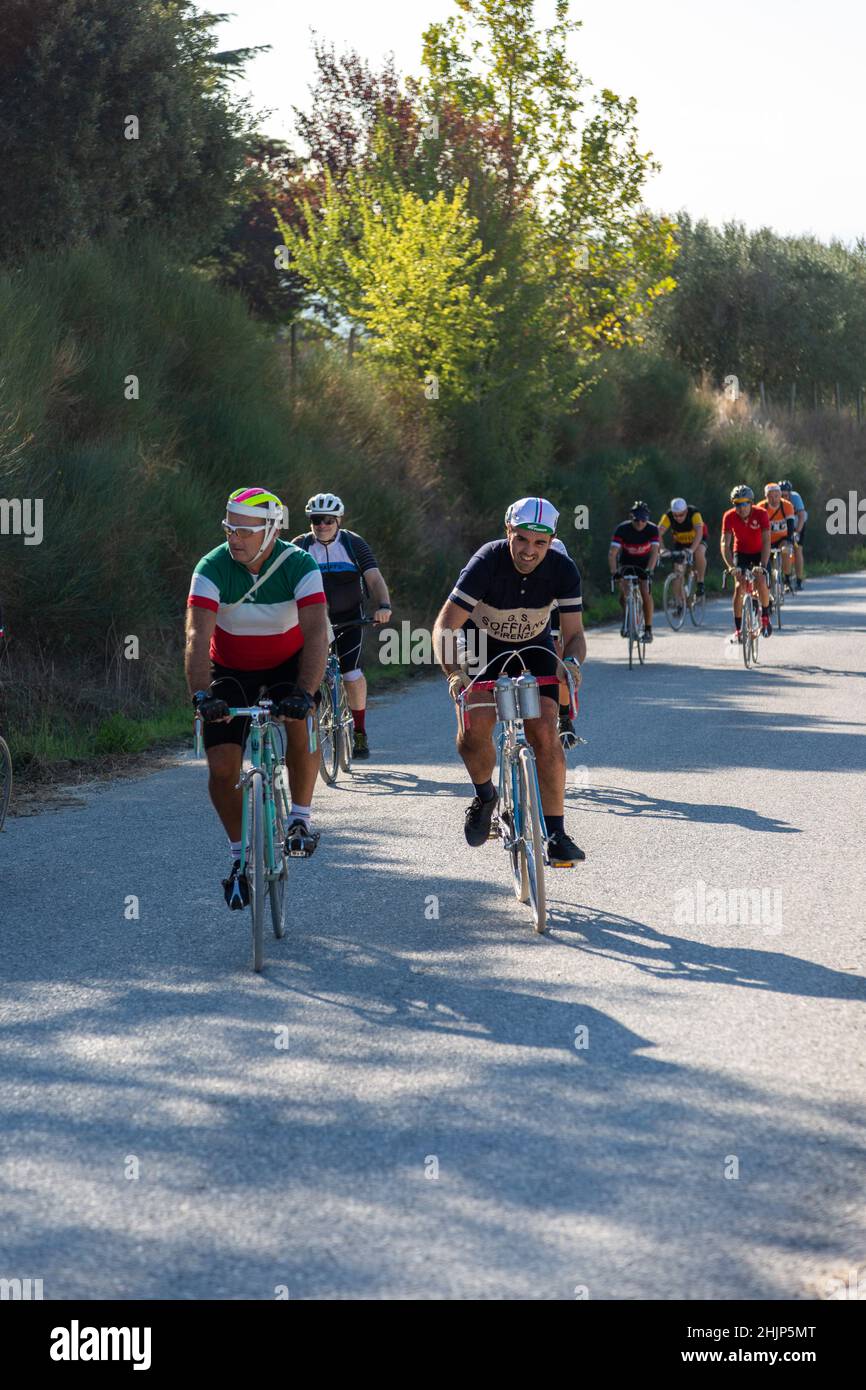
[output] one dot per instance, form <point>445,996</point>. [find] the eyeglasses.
<point>322,520</point>
<point>243,533</point>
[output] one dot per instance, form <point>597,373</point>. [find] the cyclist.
<point>801,516</point>
<point>567,731</point>
<point>507,590</point>
<point>781,515</point>
<point>746,533</point>
<point>682,528</point>
<point>635,544</point>
<point>349,571</point>
<point>277,638</point>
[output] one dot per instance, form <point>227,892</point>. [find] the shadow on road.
<point>620,801</point>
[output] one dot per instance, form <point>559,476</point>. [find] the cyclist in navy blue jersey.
<point>506,593</point>
<point>349,571</point>
<point>635,545</point>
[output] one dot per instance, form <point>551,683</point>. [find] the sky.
<point>754,108</point>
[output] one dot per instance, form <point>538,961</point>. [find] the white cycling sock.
<point>235,847</point>
<point>301,813</point>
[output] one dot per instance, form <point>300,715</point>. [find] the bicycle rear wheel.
<point>533,838</point>
<point>346,727</point>
<point>5,780</point>
<point>696,605</point>
<point>674,603</point>
<point>329,734</point>
<point>255,866</point>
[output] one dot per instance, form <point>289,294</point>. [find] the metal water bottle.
<point>505,698</point>
<point>528,696</point>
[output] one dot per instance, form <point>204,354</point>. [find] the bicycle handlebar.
<point>254,712</point>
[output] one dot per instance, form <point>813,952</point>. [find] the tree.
<point>114,114</point>
<point>413,273</point>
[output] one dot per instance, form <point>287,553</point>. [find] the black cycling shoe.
<point>648,635</point>
<point>300,840</point>
<point>563,852</point>
<point>799,585</point>
<point>479,815</point>
<point>567,733</point>
<point>699,588</point>
<point>236,888</point>
<point>360,747</point>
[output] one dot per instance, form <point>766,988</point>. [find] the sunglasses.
<point>323,520</point>
<point>243,533</point>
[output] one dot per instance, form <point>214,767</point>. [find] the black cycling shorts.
<point>745,562</point>
<point>503,659</point>
<point>245,688</point>
<point>348,643</point>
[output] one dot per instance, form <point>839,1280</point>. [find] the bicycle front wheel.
<point>5,780</point>
<point>674,604</point>
<point>746,629</point>
<point>329,734</point>
<point>346,730</point>
<point>533,838</point>
<point>255,867</point>
<point>510,828</point>
<point>280,874</point>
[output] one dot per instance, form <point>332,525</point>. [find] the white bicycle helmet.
<point>325,502</point>
<point>257,502</point>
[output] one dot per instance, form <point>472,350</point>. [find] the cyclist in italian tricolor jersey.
<point>256,616</point>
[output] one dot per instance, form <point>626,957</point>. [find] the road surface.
<point>420,1098</point>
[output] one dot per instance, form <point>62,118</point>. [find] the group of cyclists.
<point>750,531</point>
<point>259,610</point>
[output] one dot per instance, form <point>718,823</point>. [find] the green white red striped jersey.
<point>265,631</point>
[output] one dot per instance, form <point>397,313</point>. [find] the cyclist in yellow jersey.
<point>682,528</point>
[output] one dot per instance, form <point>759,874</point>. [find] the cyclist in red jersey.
<point>745,544</point>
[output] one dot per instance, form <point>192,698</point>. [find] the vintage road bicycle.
<point>519,821</point>
<point>336,725</point>
<point>680,595</point>
<point>267,808</point>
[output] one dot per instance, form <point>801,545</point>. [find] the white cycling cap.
<point>533,514</point>
<point>679,504</point>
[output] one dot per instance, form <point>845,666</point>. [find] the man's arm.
<point>573,635</point>
<point>378,591</point>
<point>313,620</point>
<point>200,624</point>
<point>451,618</point>
<point>766,543</point>
<point>613,556</point>
<point>727,548</point>
<point>653,557</point>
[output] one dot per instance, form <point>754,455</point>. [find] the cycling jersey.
<point>263,632</point>
<point>779,528</point>
<point>514,608</point>
<point>634,544</point>
<point>797,504</point>
<point>343,562</point>
<point>748,532</point>
<point>684,531</point>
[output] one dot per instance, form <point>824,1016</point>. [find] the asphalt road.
<point>401,1106</point>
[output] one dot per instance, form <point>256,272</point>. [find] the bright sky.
<point>756,109</point>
